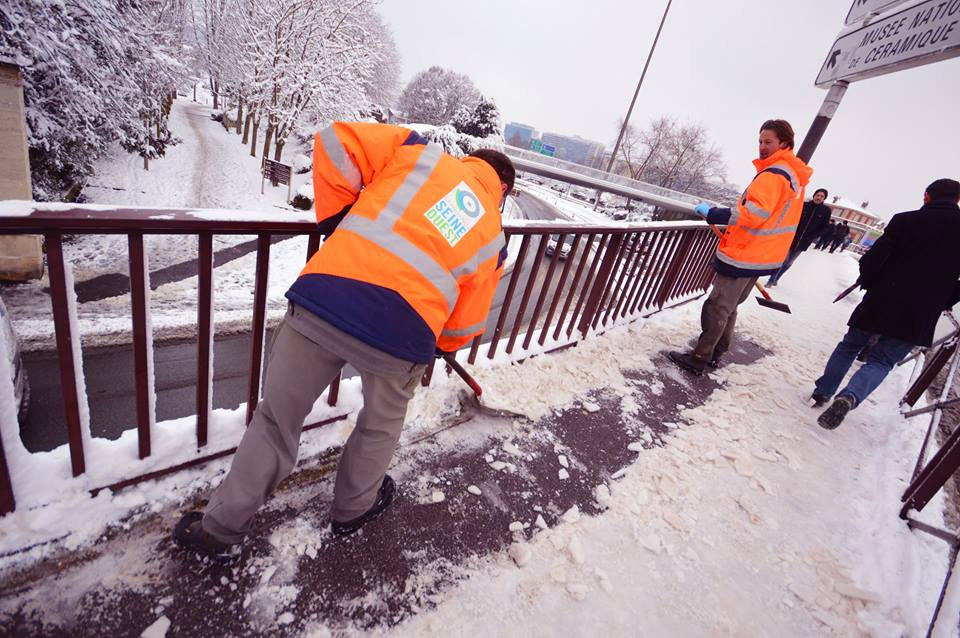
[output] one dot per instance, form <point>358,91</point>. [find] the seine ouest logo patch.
<point>456,213</point>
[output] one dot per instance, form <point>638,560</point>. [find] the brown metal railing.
<point>609,275</point>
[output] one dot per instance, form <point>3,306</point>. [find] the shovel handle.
<point>761,289</point>
<point>470,381</point>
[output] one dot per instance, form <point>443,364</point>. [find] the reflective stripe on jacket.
<point>762,226</point>
<point>415,262</point>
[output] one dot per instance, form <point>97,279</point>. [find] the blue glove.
<point>702,209</point>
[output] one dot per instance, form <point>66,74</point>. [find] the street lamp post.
<point>626,121</point>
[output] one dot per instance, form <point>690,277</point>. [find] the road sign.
<point>279,173</point>
<point>861,9</point>
<point>535,145</point>
<point>924,33</point>
<point>550,151</point>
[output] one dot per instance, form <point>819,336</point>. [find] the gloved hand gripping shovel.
<point>766,299</point>
<point>470,403</point>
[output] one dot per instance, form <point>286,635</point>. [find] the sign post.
<point>278,174</point>
<point>900,39</point>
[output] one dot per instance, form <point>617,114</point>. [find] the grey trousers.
<point>719,316</point>
<point>306,355</point>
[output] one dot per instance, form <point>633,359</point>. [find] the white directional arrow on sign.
<point>903,38</point>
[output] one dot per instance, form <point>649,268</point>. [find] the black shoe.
<point>384,497</point>
<point>687,362</point>
<point>818,400</point>
<point>834,415</point>
<point>190,535</point>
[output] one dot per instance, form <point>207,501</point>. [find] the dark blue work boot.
<point>190,535</point>
<point>384,498</point>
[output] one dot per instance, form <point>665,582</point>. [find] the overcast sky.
<point>571,68</point>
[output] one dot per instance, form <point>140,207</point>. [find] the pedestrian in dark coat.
<point>839,234</point>
<point>911,275</point>
<point>813,220</point>
<point>826,235</point>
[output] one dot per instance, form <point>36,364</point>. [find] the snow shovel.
<point>470,403</point>
<point>766,299</point>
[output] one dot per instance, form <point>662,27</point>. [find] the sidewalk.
<point>637,501</point>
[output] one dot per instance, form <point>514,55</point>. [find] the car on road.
<point>564,250</point>
<point>18,373</point>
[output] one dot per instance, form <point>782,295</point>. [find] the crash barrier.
<point>566,281</point>
<point>930,477</point>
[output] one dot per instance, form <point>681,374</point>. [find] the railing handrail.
<point>25,217</point>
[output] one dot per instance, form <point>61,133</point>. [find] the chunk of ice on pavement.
<point>562,460</point>
<point>510,448</point>
<point>520,553</point>
<point>602,494</point>
<point>590,406</point>
<point>498,465</point>
<point>516,526</point>
<point>636,446</point>
<point>577,591</point>
<point>563,474</point>
<point>438,496</point>
<point>572,515</point>
<point>158,629</point>
<point>473,489</point>
<point>285,618</point>
<point>542,524</point>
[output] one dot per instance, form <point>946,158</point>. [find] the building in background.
<point>519,135</point>
<point>574,149</point>
<point>865,227</point>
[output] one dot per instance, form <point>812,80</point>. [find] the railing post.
<point>64,336</point>
<point>259,321</point>
<point>673,272</point>
<point>600,283</point>
<point>7,501</point>
<point>205,336</point>
<point>141,354</point>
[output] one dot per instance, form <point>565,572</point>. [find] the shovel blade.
<point>776,305</point>
<point>471,404</point>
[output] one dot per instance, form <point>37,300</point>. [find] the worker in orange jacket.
<point>409,273</point>
<point>759,232</point>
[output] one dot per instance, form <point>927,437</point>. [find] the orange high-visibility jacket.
<point>415,261</point>
<point>761,227</point>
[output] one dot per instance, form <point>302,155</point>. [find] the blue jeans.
<point>787,262</point>
<point>885,354</point>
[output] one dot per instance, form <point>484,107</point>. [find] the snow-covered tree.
<point>482,122</point>
<point>95,72</point>
<point>309,60</point>
<point>433,96</point>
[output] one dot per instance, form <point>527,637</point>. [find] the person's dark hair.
<point>822,190</point>
<point>781,129</point>
<point>500,163</point>
<point>948,189</point>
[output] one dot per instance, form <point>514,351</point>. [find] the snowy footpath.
<point>636,501</point>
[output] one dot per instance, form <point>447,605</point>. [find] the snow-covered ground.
<point>746,519</point>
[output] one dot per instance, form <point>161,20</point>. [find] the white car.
<point>564,250</point>
<point>21,387</point>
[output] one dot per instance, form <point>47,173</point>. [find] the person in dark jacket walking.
<point>839,234</point>
<point>911,276</point>
<point>814,218</point>
<point>826,235</point>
